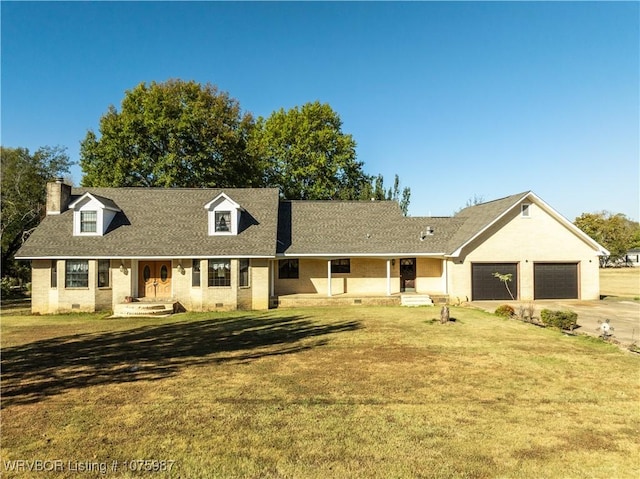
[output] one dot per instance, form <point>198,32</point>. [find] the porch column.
<point>388,277</point>
<point>445,276</point>
<point>329,278</point>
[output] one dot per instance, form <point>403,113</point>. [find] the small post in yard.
<point>444,314</point>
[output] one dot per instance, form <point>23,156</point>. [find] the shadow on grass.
<point>49,367</point>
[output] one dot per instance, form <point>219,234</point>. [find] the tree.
<point>306,154</point>
<point>172,134</point>
<point>375,190</point>
<point>505,278</point>
<point>24,189</point>
<point>615,232</point>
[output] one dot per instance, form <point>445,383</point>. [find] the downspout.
<point>329,278</point>
<point>388,277</point>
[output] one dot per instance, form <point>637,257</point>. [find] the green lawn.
<point>379,392</point>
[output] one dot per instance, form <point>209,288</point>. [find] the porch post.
<point>445,276</point>
<point>329,278</point>
<point>388,277</point>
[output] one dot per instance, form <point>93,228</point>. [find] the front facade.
<point>214,249</point>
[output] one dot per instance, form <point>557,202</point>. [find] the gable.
<point>536,230</point>
<point>224,215</point>
<point>92,215</point>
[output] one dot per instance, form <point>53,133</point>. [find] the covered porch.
<point>359,278</point>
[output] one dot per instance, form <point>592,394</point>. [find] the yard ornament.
<point>605,329</point>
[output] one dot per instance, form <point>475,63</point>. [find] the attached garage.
<point>555,281</point>
<point>485,286</point>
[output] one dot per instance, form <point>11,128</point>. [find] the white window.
<point>223,221</point>
<point>526,210</point>
<point>76,274</point>
<point>88,221</point>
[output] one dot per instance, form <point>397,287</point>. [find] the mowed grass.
<point>620,282</point>
<point>384,392</point>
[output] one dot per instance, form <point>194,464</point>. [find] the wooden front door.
<point>154,279</point>
<point>408,274</point>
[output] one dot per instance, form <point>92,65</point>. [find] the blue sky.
<point>460,99</point>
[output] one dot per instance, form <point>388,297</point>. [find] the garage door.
<point>555,281</point>
<point>485,286</point>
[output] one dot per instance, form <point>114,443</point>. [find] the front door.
<point>408,275</point>
<point>154,279</point>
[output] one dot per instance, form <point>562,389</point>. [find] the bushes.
<point>559,319</point>
<point>505,311</point>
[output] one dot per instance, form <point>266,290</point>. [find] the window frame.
<point>341,266</point>
<point>525,210</point>
<point>101,265</point>
<point>54,274</point>
<point>84,222</point>
<point>217,281</point>
<point>244,273</point>
<point>289,268</point>
<point>70,277</point>
<point>196,273</point>
<point>220,215</point>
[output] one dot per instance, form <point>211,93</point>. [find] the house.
<point>234,248</point>
<point>632,258</point>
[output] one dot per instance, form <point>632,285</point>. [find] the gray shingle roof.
<point>475,218</point>
<point>161,222</point>
<point>358,228</point>
<point>172,222</point>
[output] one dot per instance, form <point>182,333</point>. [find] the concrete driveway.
<point>623,316</point>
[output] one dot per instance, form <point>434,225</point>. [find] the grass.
<point>620,282</point>
<point>373,392</point>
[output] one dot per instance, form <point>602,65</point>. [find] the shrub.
<point>5,287</point>
<point>559,319</point>
<point>505,311</point>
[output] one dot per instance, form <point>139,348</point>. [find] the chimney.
<point>58,195</point>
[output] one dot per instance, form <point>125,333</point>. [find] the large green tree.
<point>306,154</point>
<point>170,134</point>
<point>24,189</point>
<point>615,232</point>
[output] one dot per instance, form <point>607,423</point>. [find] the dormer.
<point>224,216</point>
<point>92,215</point>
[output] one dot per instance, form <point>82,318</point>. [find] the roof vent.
<point>428,232</point>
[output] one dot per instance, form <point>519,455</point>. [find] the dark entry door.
<point>485,286</point>
<point>408,274</point>
<point>555,281</point>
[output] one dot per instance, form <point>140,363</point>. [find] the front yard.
<point>316,393</point>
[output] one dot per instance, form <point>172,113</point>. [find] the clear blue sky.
<point>460,99</point>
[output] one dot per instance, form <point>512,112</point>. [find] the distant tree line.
<point>617,233</point>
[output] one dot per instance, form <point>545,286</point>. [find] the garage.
<point>485,286</point>
<point>555,281</point>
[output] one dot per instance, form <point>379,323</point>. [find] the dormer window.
<point>224,215</point>
<point>92,215</point>
<point>223,221</point>
<point>88,221</point>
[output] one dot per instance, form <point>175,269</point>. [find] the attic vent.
<point>428,232</point>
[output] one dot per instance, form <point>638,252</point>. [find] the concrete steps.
<point>144,309</point>
<point>415,300</point>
